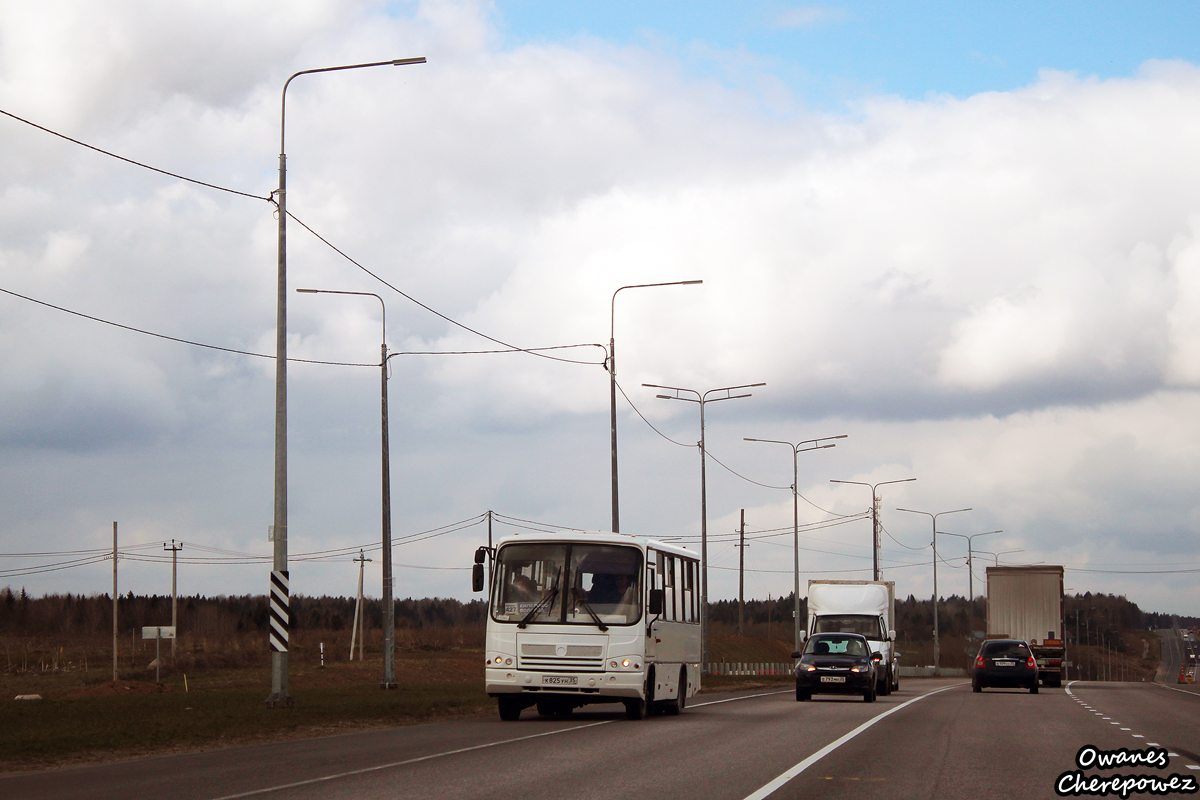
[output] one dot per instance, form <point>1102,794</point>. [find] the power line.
<point>135,163</point>
<point>537,351</point>
<point>513,348</point>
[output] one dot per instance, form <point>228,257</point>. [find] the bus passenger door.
<point>652,561</point>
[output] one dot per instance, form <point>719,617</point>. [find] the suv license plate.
<point>1006,663</point>
<point>833,679</point>
<point>559,680</point>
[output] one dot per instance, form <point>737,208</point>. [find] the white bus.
<point>579,618</point>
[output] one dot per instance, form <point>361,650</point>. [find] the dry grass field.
<point>216,694</point>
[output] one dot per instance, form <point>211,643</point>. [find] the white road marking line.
<point>432,756</point>
<point>1154,744</point>
<point>1138,736</point>
<point>417,760</point>
<point>1173,755</point>
<point>1124,729</point>
<point>791,773</point>
<point>1193,766</point>
<point>732,699</point>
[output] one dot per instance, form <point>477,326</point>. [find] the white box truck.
<point>866,607</point>
<point>1027,603</point>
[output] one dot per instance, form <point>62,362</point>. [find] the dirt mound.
<point>113,688</point>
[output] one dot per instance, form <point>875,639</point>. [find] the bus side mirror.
<point>480,555</point>
<point>656,602</point>
<point>891,636</point>
<point>803,636</point>
<point>477,578</point>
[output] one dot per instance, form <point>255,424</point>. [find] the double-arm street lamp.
<point>937,645</point>
<point>279,582</point>
<point>970,574</point>
<point>874,519</point>
<point>389,608</point>
<point>612,386</point>
<point>797,449</point>
<point>701,399</point>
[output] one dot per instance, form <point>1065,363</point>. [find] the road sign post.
<point>158,633</point>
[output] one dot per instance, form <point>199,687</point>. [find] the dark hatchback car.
<point>836,663</point>
<point>1005,662</point>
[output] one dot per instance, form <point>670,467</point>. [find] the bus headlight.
<point>625,664</point>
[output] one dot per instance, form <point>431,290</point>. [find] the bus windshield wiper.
<point>596,617</point>
<point>533,612</point>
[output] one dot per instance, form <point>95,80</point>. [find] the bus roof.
<point>598,537</point>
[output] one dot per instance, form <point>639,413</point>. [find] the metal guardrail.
<point>752,669</point>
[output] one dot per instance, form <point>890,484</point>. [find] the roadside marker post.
<point>158,633</point>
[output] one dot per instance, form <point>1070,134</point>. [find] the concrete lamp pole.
<point>937,645</point>
<point>797,449</point>
<point>970,574</point>
<point>612,387</point>
<point>874,519</point>
<point>389,605</point>
<point>701,400</point>
<point>279,566</point>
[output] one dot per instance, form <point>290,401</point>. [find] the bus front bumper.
<point>577,684</point>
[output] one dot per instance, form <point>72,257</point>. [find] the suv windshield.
<point>570,583</point>
<point>835,646</point>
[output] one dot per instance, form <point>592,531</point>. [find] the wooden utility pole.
<point>742,573</point>
<point>358,611</point>
<point>174,595</point>
<point>114,601</point>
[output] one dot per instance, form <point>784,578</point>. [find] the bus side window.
<point>669,587</point>
<point>689,590</point>
<point>677,571</point>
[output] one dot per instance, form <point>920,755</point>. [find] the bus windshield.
<point>567,583</point>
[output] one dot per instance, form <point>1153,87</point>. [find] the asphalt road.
<point>933,739</point>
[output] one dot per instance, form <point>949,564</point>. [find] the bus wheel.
<point>673,707</point>
<point>510,707</point>
<point>635,708</point>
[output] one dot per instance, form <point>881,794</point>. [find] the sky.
<point>968,240</point>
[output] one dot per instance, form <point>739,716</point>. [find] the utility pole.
<point>174,594</point>
<point>359,627</point>
<point>114,601</point>
<point>741,572</point>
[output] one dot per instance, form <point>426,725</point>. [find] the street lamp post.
<point>701,399</point>
<point>797,449</point>
<point>937,652</point>
<point>389,608</point>
<point>874,519</point>
<point>279,582</point>
<point>970,574</point>
<point>612,387</point>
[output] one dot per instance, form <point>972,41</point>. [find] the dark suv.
<point>1005,662</point>
<point>836,663</point>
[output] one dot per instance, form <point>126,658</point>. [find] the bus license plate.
<point>560,680</point>
<point>833,679</point>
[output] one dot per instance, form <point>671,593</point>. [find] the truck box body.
<point>1027,603</point>
<point>866,607</point>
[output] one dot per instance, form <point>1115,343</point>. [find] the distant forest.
<point>1093,615</point>
<point>22,615</point>
<point>1096,616</point>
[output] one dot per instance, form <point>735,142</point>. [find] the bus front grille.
<point>564,658</point>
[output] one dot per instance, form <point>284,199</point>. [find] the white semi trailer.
<point>866,607</point>
<point>1027,603</point>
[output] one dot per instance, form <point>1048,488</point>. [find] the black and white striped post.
<point>279,620</point>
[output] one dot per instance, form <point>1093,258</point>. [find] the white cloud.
<point>997,294</point>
